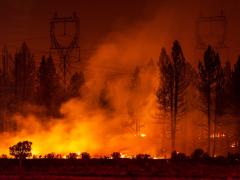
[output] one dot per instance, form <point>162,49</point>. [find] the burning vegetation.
<point>145,110</point>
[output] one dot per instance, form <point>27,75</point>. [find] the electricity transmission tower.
<point>64,49</point>
<point>211,30</point>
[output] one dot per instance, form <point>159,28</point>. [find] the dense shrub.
<point>72,156</point>
<point>198,154</point>
<point>21,150</point>
<point>206,157</point>
<point>143,156</point>
<point>220,159</point>
<point>116,155</point>
<point>4,156</point>
<point>235,157</point>
<point>50,156</point>
<point>85,156</point>
<point>174,155</point>
<point>178,156</point>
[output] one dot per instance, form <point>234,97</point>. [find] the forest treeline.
<point>23,82</point>
<point>215,84</point>
<point>217,87</point>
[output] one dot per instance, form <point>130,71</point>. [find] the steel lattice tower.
<point>64,50</point>
<point>210,27</point>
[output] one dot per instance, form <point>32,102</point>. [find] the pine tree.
<point>175,78</point>
<point>24,74</point>
<point>236,87</point>
<point>219,99</point>
<point>181,81</point>
<point>165,92</point>
<point>76,82</point>
<point>6,90</point>
<point>48,88</point>
<point>227,70</point>
<point>208,72</point>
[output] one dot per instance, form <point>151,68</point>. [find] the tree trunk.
<point>172,120</point>
<point>175,114</point>
<point>214,132</point>
<point>172,132</point>
<point>20,169</point>
<point>175,110</point>
<point>215,123</point>
<point>209,119</point>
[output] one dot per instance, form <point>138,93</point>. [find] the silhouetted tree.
<point>227,89</point>
<point>181,81</point>
<point>176,156</point>
<point>76,82</point>
<point>197,154</point>
<point>116,155</point>
<point>235,96</point>
<point>165,92</point>
<point>24,74</point>
<point>236,87</point>
<point>143,156</point>
<point>104,98</point>
<point>6,89</point>
<point>6,69</point>
<point>132,100</point>
<point>42,81</point>
<point>49,86</point>
<point>208,72</point>
<point>135,78</point>
<point>72,156</point>
<point>21,151</point>
<point>219,99</point>
<point>50,156</point>
<point>85,156</point>
<point>175,77</point>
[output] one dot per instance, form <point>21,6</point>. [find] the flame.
<point>143,135</point>
<point>218,135</point>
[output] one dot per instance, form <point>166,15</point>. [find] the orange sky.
<point>29,20</point>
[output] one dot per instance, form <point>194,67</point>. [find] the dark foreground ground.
<point>125,169</point>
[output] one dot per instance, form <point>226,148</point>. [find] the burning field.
<point>102,121</point>
<point>143,90</point>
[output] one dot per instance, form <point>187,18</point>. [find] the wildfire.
<point>143,135</point>
<point>235,144</point>
<point>125,155</point>
<point>218,135</point>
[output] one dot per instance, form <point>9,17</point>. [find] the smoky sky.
<point>28,20</point>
